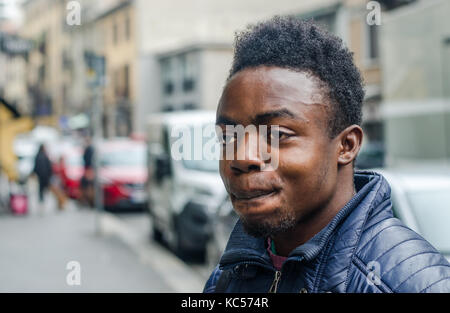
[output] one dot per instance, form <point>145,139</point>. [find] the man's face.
<point>270,202</point>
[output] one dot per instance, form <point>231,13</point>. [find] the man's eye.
<point>276,134</point>
<point>227,139</point>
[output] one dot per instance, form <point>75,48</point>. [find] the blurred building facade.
<point>146,43</point>
<point>192,77</point>
<point>13,63</point>
<point>348,20</point>
<point>56,69</point>
<point>13,57</point>
<point>12,123</point>
<point>185,49</point>
<point>48,73</point>
<point>175,55</point>
<point>416,82</point>
<point>118,45</point>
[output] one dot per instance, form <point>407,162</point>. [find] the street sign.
<point>95,69</point>
<point>14,45</point>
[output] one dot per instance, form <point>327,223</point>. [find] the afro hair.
<point>300,45</point>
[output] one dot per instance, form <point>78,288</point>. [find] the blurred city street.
<point>112,148</point>
<point>36,249</point>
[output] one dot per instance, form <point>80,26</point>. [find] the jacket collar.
<point>371,188</point>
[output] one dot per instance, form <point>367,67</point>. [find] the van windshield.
<point>203,151</point>
<point>128,156</point>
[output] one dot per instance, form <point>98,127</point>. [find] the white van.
<point>183,193</point>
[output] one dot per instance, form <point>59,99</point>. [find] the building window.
<point>66,61</point>
<point>127,28</point>
<point>446,67</point>
<point>167,73</point>
<point>115,34</point>
<point>122,82</point>
<point>41,73</point>
<point>372,42</point>
<point>168,88</point>
<point>65,97</point>
<point>116,83</point>
<point>189,106</point>
<point>168,108</point>
<point>188,67</point>
<point>325,17</point>
<point>393,4</point>
<point>327,21</point>
<point>126,78</point>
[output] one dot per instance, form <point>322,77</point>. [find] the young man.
<point>311,224</point>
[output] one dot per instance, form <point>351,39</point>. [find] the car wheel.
<point>179,249</point>
<point>157,235</point>
<point>187,254</point>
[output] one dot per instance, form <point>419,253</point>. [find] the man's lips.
<point>252,194</point>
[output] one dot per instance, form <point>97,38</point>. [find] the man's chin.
<point>267,228</point>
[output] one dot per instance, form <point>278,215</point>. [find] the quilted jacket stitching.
<point>395,246</point>
<point>378,233</point>
<point>373,225</point>
<point>386,202</point>
<point>409,257</point>
<point>361,231</point>
<point>321,267</point>
<point>362,266</point>
<point>423,290</point>
<point>343,270</point>
<point>416,272</point>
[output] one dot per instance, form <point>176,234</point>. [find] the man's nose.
<point>247,157</point>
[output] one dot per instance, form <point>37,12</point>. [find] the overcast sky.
<point>11,8</point>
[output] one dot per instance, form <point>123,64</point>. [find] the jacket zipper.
<point>276,281</point>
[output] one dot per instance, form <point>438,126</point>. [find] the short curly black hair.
<point>301,45</point>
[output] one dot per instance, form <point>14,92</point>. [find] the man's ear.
<point>349,144</point>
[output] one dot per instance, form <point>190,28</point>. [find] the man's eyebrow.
<point>261,118</point>
<point>274,114</point>
<point>223,120</point>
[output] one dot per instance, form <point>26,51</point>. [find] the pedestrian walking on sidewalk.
<point>87,181</point>
<point>43,171</point>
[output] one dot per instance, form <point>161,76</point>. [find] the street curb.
<point>180,277</point>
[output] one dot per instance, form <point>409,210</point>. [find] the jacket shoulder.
<point>397,259</point>
<point>210,286</point>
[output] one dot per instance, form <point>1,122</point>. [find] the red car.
<point>123,174</point>
<point>71,171</point>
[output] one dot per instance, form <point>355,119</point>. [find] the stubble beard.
<point>281,222</point>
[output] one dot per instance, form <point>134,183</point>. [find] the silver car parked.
<point>421,199</point>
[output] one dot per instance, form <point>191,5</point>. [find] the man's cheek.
<point>225,174</point>
<point>295,165</point>
<point>222,170</point>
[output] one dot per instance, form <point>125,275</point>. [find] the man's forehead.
<point>278,83</point>
<point>266,90</point>
<point>262,117</point>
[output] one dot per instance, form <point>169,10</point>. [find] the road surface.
<point>37,249</point>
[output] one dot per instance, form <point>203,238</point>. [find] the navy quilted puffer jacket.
<point>363,249</point>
